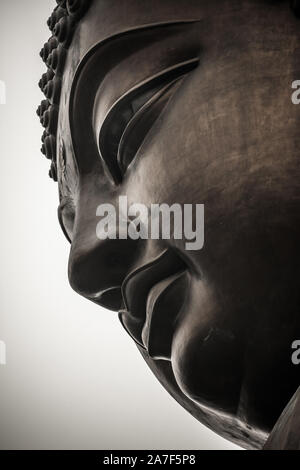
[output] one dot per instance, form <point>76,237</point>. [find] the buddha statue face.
<point>189,102</point>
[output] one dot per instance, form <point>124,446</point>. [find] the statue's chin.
<point>204,371</point>
<point>223,423</point>
<point>207,352</point>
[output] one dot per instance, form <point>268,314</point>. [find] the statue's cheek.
<point>206,355</point>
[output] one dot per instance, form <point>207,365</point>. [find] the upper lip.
<point>153,295</point>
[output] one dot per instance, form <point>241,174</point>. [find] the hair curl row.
<point>62,24</point>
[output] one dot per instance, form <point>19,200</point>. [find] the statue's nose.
<point>97,268</point>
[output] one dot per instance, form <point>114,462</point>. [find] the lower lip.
<point>164,303</point>
<point>132,326</point>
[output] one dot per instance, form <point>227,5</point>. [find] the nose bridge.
<point>97,265</point>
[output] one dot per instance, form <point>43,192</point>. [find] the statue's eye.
<point>131,118</point>
<point>140,124</point>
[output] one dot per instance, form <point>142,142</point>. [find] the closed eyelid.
<point>105,134</point>
<point>112,68</point>
<point>160,78</point>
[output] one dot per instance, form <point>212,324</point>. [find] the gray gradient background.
<point>73,379</point>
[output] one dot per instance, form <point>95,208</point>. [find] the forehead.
<point>106,18</point>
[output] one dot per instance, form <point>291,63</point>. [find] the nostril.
<point>110,299</point>
<point>97,270</point>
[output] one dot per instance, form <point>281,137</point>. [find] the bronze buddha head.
<point>186,102</point>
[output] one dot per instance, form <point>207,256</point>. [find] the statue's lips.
<point>153,296</point>
<point>163,306</point>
